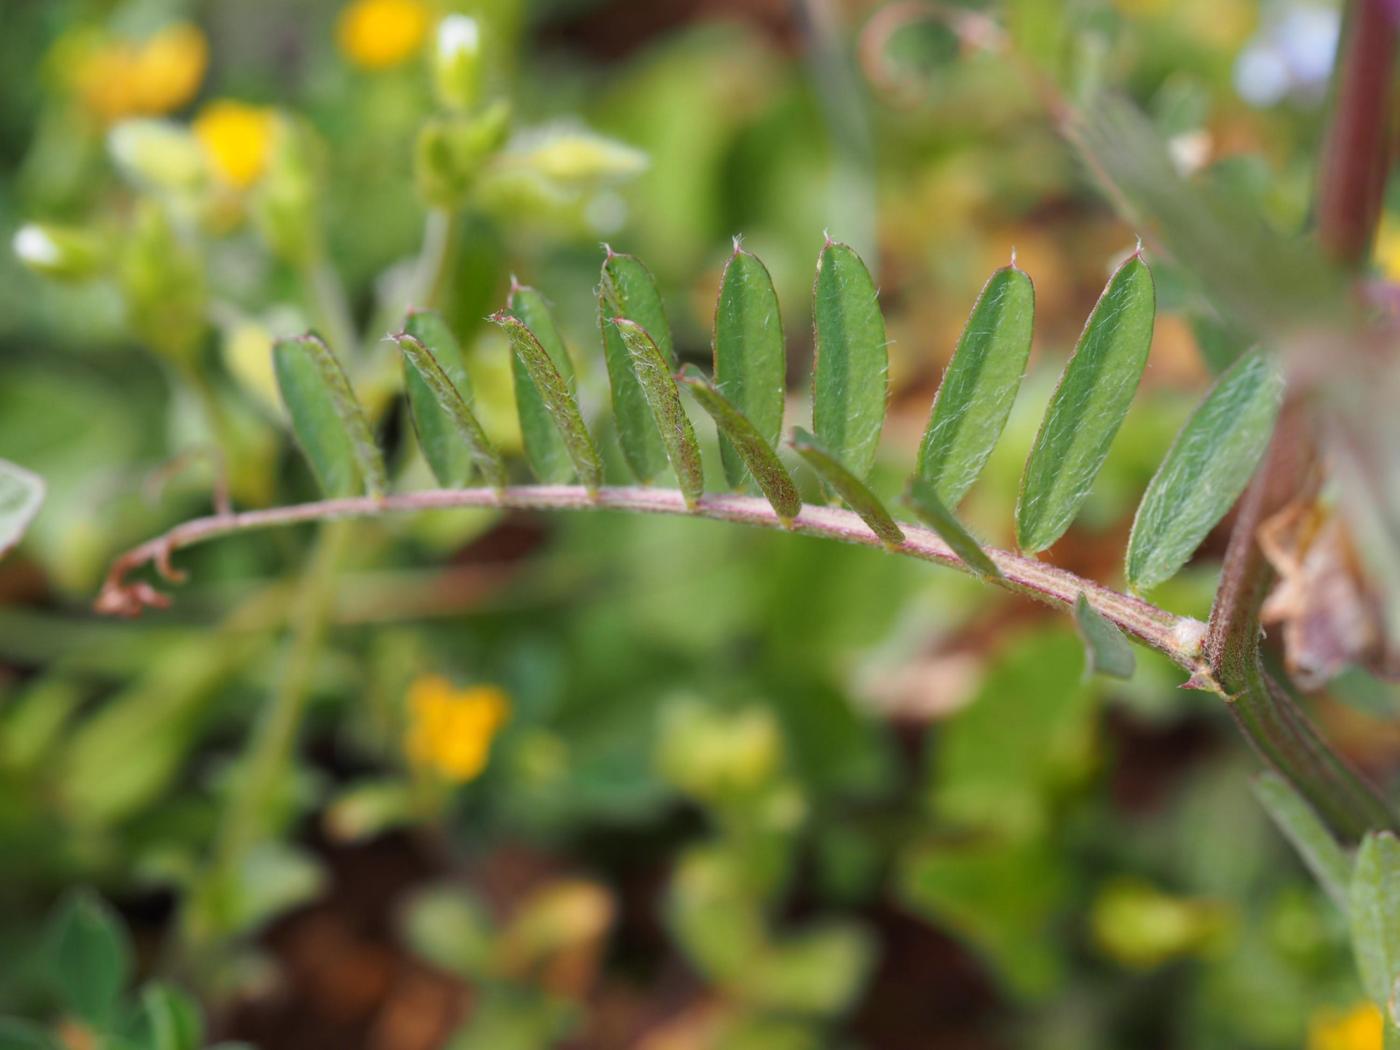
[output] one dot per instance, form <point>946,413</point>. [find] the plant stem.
<point>1179,637</point>
<point>440,231</point>
<point>329,308</point>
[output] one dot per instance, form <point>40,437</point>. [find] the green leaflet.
<point>1375,918</point>
<point>21,495</point>
<point>1205,470</point>
<point>850,376</point>
<point>626,289</point>
<point>447,454</point>
<point>545,449</point>
<point>558,399</point>
<point>1106,651</point>
<point>923,498</point>
<point>170,1019</point>
<point>755,453</point>
<point>1309,835</point>
<point>750,356</point>
<point>849,487</point>
<point>980,385</point>
<point>453,416</point>
<point>1087,408</point>
<point>329,424</point>
<point>89,957</point>
<point>653,373</point>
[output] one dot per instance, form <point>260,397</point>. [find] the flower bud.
<point>157,154</point>
<point>457,62</point>
<point>65,253</point>
<point>451,151</point>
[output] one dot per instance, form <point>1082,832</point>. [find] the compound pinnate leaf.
<point>626,289</point>
<point>442,407</point>
<point>545,449</point>
<point>1302,827</point>
<point>849,487</point>
<point>979,386</point>
<point>850,377</point>
<point>750,356</point>
<point>447,454</point>
<point>89,957</point>
<point>1206,469</point>
<point>21,495</point>
<point>1375,916</point>
<point>328,422</point>
<point>755,453</point>
<point>923,498</point>
<point>1106,651</point>
<point>650,367</point>
<point>1087,408</point>
<point>557,397</point>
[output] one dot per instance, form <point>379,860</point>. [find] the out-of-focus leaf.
<point>743,440</point>
<point>849,487</point>
<point>1375,918</point>
<point>980,385</point>
<point>272,879</point>
<point>21,495</point>
<point>454,411</point>
<point>170,1019</point>
<point>818,971</point>
<point>1301,826</point>
<point>850,377</point>
<point>650,367</point>
<point>924,499</point>
<point>448,455</point>
<point>627,290</point>
<point>545,448</point>
<point>16,1034</point>
<point>1106,651</point>
<point>450,929</point>
<point>1206,469</point>
<point>1087,408</point>
<point>329,424</point>
<point>750,357</point>
<point>89,957</point>
<point>557,398</point>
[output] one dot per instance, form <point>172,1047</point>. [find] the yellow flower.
<point>1388,249</point>
<point>377,34</point>
<point>449,729</point>
<point>237,138</point>
<point>120,78</point>
<point>1359,1028</point>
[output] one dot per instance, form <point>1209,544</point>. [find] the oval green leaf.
<point>626,289</point>
<point>448,456</point>
<point>753,449</point>
<point>89,957</point>
<point>923,498</point>
<point>650,366</point>
<point>979,386</point>
<point>328,422</point>
<point>850,377</point>
<point>750,356</point>
<point>1106,651</point>
<point>1087,408</point>
<point>849,487</point>
<point>21,495</point>
<point>558,399</point>
<point>1206,469</point>
<point>544,445</point>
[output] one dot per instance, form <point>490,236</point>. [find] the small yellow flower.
<point>1388,249</point>
<point>450,730</point>
<point>120,78</point>
<point>378,34</point>
<point>237,138</point>
<point>1359,1028</point>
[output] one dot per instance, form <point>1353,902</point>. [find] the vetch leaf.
<point>1087,408</point>
<point>89,957</point>
<point>849,487</point>
<point>448,455</point>
<point>627,289</point>
<point>923,498</point>
<point>21,495</point>
<point>170,1019</point>
<point>1327,861</point>
<point>329,423</point>
<point>850,376</point>
<point>979,386</point>
<point>454,409</point>
<point>653,373</point>
<point>750,356</point>
<point>557,398</point>
<point>755,453</point>
<point>545,449</point>
<point>1206,469</point>
<point>1106,651</point>
<point>1375,917</point>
